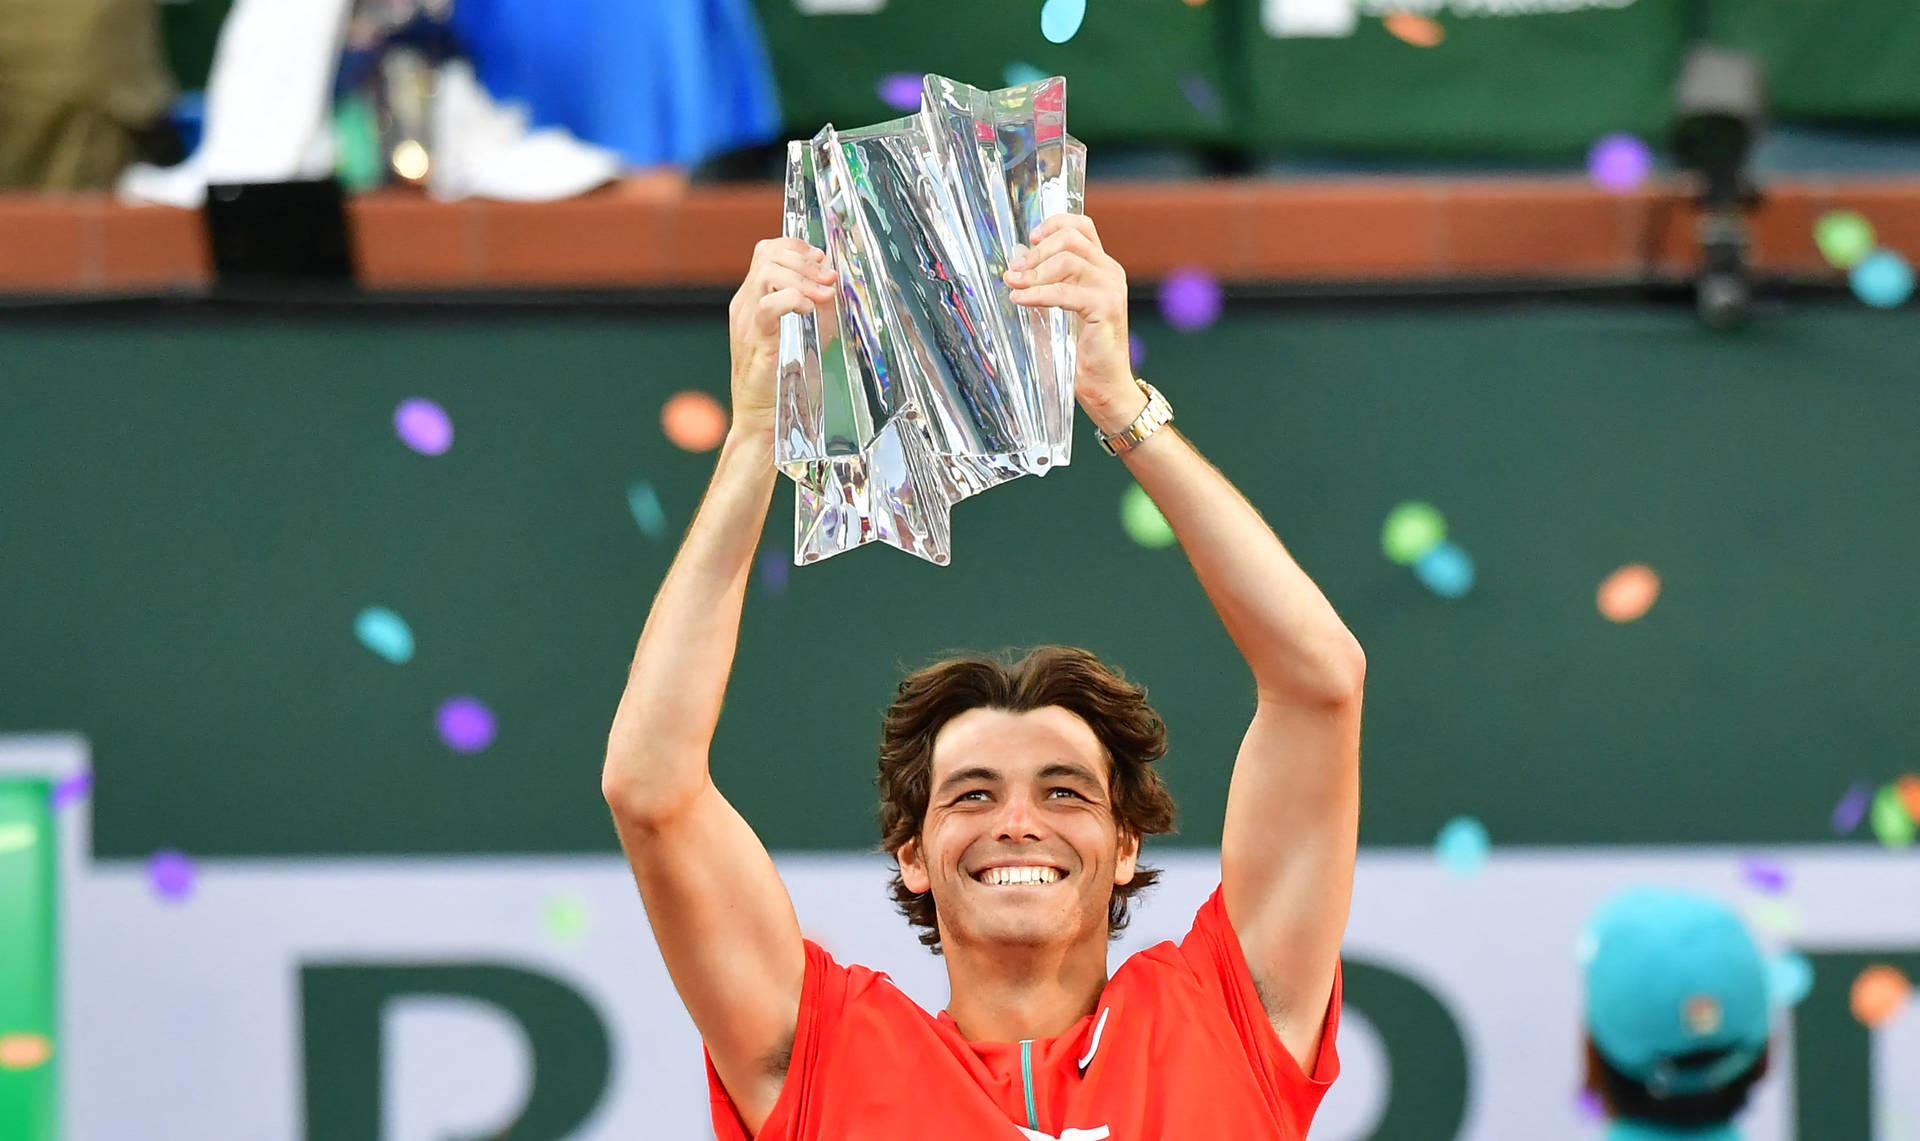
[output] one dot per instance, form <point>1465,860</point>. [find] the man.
<point>1677,1016</point>
<point>1016,799</point>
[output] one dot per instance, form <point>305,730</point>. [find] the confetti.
<point>1136,350</point>
<point>644,502</point>
<point>1907,788</point>
<point>1878,994</point>
<point>1019,74</point>
<point>24,1051</point>
<point>1619,163</point>
<point>774,569</point>
<point>901,91</point>
<point>423,426</point>
<point>1789,978</point>
<point>1882,279</point>
<point>1413,28</point>
<point>1776,916</point>
<point>1891,824</point>
<point>567,919</point>
<point>1852,809</point>
<point>1201,95</point>
<point>1764,875</point>
<point>1844,237</point>
<point>1462,846</point>
<point>1628,593</point>
<point>1447,570</point>
<point>1060,19</point>
<point>465,724</point>
<point>1588,1106</point>
<point>77,787</point>
<point>694,421</point>
<point>1412,529</point>
<point>17,836</point>
<point>1190,299</point>
<point>1142,519</point>
<point>385,633</point>
<point>171,874</point>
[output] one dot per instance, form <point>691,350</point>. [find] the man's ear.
<point>1123,868</point>
<point>912,872</point>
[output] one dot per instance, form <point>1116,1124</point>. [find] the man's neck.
<point>1002,994</point>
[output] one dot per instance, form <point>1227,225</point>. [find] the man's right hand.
<point>787,276</point>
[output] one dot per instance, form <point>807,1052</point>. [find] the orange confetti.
<point>1878,994</point>
<point>1907,788</point>
<point>1420,31</point>
<point>694,421</point>
<point>24,1051</point>
<point>1629,593</point>
<point>1195,3</point>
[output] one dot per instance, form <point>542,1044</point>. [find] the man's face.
<point>1019,845</point>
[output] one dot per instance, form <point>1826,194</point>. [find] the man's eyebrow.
<point>1061,770</point>
<point>967,776</point>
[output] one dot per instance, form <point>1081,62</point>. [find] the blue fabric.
<point>1671,973</point>
<point>1647,1131</point>
<point>659,81</point>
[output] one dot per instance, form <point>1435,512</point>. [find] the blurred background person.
<point>1677,1016</point>
<point>83,91</point>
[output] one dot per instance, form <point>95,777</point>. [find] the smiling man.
<point>1015,797</point>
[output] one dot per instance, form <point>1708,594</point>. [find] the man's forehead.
<point>1015,744</point>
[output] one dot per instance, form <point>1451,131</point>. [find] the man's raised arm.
<point>719,911</point>
<point>1293,809</point>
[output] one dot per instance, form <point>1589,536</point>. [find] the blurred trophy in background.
<point>922,383</point>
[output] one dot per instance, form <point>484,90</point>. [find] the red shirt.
<point>1178,1047</point>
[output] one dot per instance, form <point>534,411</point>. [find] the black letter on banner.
<point>1832,1051</point>
<point>341,1010</point>
<point>1426,1059</point>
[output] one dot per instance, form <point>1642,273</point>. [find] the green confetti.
<point>1889,817</point>
<point>567,919</point>
<point>1844,237</point>
<point>1143,522</point>
<point>1412,530</point>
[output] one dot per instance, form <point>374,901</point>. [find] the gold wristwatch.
<point>1155,416</point>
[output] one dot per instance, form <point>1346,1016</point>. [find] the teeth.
<point>1031,875</point>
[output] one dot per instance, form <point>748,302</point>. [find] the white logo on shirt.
<point>1097,1133</point>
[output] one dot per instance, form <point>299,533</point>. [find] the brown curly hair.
<point>1073,679</point>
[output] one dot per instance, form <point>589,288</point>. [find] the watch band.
<point>1155,416</point>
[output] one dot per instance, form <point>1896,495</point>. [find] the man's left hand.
<point>1067,267</point>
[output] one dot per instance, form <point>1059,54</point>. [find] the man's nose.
<point>1019,820</point>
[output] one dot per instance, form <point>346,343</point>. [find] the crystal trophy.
<point>922,383</point>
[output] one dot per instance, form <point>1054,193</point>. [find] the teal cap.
<point>1670,973</point>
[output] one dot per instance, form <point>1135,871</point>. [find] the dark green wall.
<point>192,511</point>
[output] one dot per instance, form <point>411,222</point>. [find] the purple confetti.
<point>1763,874</point>
<point>901,91</point>
<point>1589,1106</point>
<point>773,572</point>
<point>172,875</point>
<point>1190,299</point>
<point>1619,162</point>
<point>69,790</point>
<point>465,725</point>
<point>1851,809</point>
<point>1200,93</point>
<point>423,426</point>
<point>1136,350</point>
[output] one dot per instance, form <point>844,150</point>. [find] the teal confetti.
<point>1789,978</point>
<point>645,505</point>
<point>1463,846</point>
<point>1019,74</point>
<point>385,633</point>
<point>1446,570</point>
<point>1060,19</point>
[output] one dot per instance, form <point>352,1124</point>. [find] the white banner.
<point>184,1020</point>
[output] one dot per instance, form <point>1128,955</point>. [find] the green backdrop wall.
<point>193,510</point>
